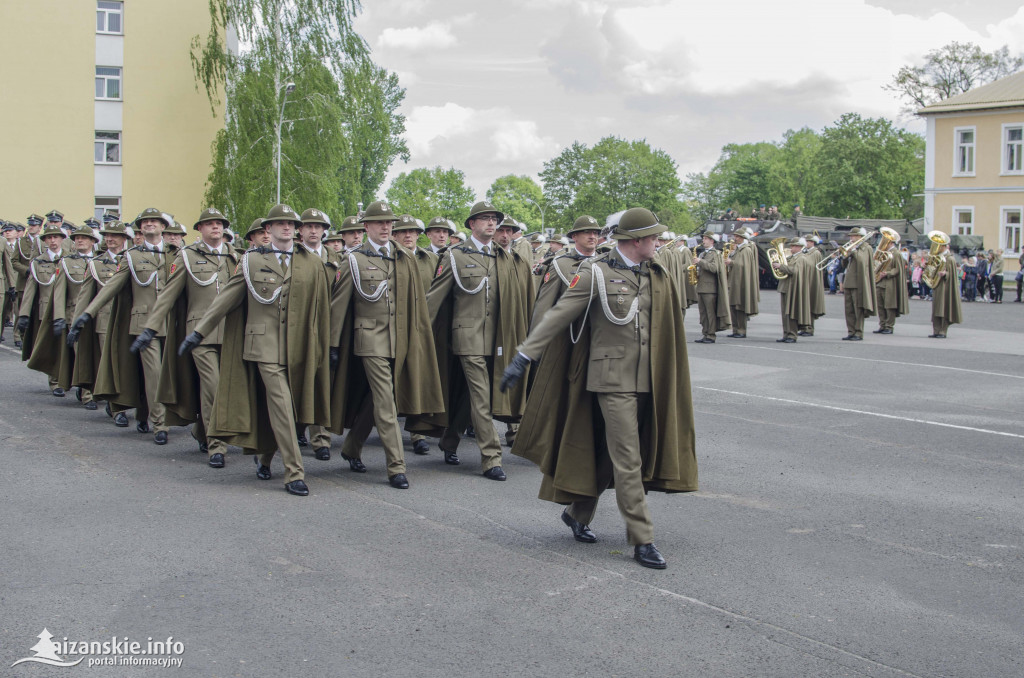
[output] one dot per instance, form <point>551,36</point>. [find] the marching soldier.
<point>335,242</point>
<point>946,307</point>
<point>66,290</point>
<point>198,274</point>
<point>137,284</point>
<point>630,301</point>
<point>257,235</point>
<point>486,314</point>
<point>311,233</point>
<point>858,287</point>
<point>173,237</point>
<point>744,282</point>
<point>379,316</point>
<point>558,271</point>
<point>795,290</point>
<point>275,353</point>
<point>439,232</point>
<point>29,246</point>
<point>352,232</point>
<point>8,276</point>
<point>893,297</point>
<point>814,255</point>
<point>712,291</point>
<point>90,344</point>
<point>38,345</point>
<point>457,238</point>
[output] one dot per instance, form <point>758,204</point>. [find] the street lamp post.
<point>288,89</point>
<point>541,212</point>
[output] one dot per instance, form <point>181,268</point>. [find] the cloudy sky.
<point>498,88</point>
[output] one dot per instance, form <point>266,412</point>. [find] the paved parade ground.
<point>861,513</point>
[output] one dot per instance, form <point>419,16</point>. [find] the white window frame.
<point>1004,225</point>
<point>106,78</point>
<point>962,209</point>
<point>1005,169</point>
<point>956,151</point>
<point>106,145</point>
<point>99,208</point>
<point>106,12</point>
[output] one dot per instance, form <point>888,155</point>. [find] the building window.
<point>1010,233</point>
<point>108,82</point>
<point>108,148</point>
<point>963,221</point>
<point>1013,149</point>
<point>108,17</point>
<point>963,160</point>
<point>103,204</point>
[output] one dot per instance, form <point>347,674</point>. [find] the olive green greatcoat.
<point>892,288</point>
<point>798,288</point>
<point>744,281</point>
<point>562,429</point>
<point>74,269</point>
<point>119,378</point>
<point>860,280</point>
<point>416,380</point>
<point>815,256</point>
<point>239,414</point>
<point>43,351</point>
<point>90,340</point>
<point>946,295</point>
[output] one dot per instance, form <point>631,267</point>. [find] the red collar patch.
<point>575,279</point>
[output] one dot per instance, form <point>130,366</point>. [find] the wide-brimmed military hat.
<point>539,238</point>
<point>441,222</point>
<point>333,236</point>
<point>407,222</point>
<point>282,212</point>
<point>315,216</point>
<point>666,236</point>
<point>228,235</point>
<point>211,214</point>
<point>584,223</point>
<point>110,215</point>
<point>351,224</point>
<point>636,223</point>
<point>510,222</point>
<point>255,227</point>
<point>52,230</point>
<point>35,220</point>
<point>714,237</point>
<point>860,230</point>
<point>175,229</point>
<point>85,231</point>
<point>92,222</point>
<point>744,232</point>
<point>152,213</point>
<point>114,228</point>
<point>813,238</point>
<point>378,210</point>
<point>460,235</point>
<point>483,207</point>
<point>54,216</point>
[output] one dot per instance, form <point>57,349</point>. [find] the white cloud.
<point>435,35</point>
<point>426,124</point>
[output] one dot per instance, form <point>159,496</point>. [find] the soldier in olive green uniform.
<point>946,307</point>
<point>488,319</point>
<point>276,313</point>
<point>630,301</point>
<point>8,276</point>
<point>198,274</point>
<point>144,271</point>
<point>712,291</point>
<point>352,232</point>
<point>439,231</point>
<point>35,306</point>
<point>814,254</point>
<point>556,272</point>
<point>381,288</point>
<point>744,283</point>
<point>891,286</point>
<point>75,272</point>
<point>858,287</point>
<point>101,269</point>
<point>794,290</point>
<point>28,247</point>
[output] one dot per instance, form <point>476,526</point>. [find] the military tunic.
<point>75,272</point>
<point>744,288</point>
<point>893,297</point>
<point>859,290</point>
<point>101,269</point>
<point>36,303</point>
<point>712,293</point>
<point>946,306</point>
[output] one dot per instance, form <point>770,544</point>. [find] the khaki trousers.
<point>478,380</point>
<point>708,307</point>
<point>886,318</point>
<point>623,413</point>
<point>282,420</point>
<point>319,437</point>
<point>854,314</point>
<point>379,410</point>
<point>739,321</point>
<point>151,358</point>
<point>207,360</point>
<point>939,325</point>
<point>789,326</point>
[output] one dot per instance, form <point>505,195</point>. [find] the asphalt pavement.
<point>860,514</point>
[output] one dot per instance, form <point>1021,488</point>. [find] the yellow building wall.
<point>168,124</point>
<point>988,151</point>
<point>46,116</point>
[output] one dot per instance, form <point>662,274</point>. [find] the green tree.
<point>512,194</point>
<point>704,195</point>
<point>950,70</point>
<point>428,193</point>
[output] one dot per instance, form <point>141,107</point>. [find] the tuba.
<point>777,254</point>
<point>930,274</point>
<point>883,256</point>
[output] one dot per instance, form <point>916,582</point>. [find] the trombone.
<point>844,251</point>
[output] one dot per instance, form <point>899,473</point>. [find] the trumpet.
<point>777,255</point>
<point>844,251</point>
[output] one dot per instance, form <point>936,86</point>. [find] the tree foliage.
<point>512,194</point>
<point>611,176</point>
<point>428,193</point>
<point>950,70</point>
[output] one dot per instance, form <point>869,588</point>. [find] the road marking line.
<point>873,414</point>
<point>876,360</point>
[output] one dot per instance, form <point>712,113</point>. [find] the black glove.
<point>22,323</point>
<point>76,329</point>
<point>335,357</point>
<point>514,372</point>
<point>191,341</point>
<point>12,293</point>
<point>59,325</point>
<point>142,341</point>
